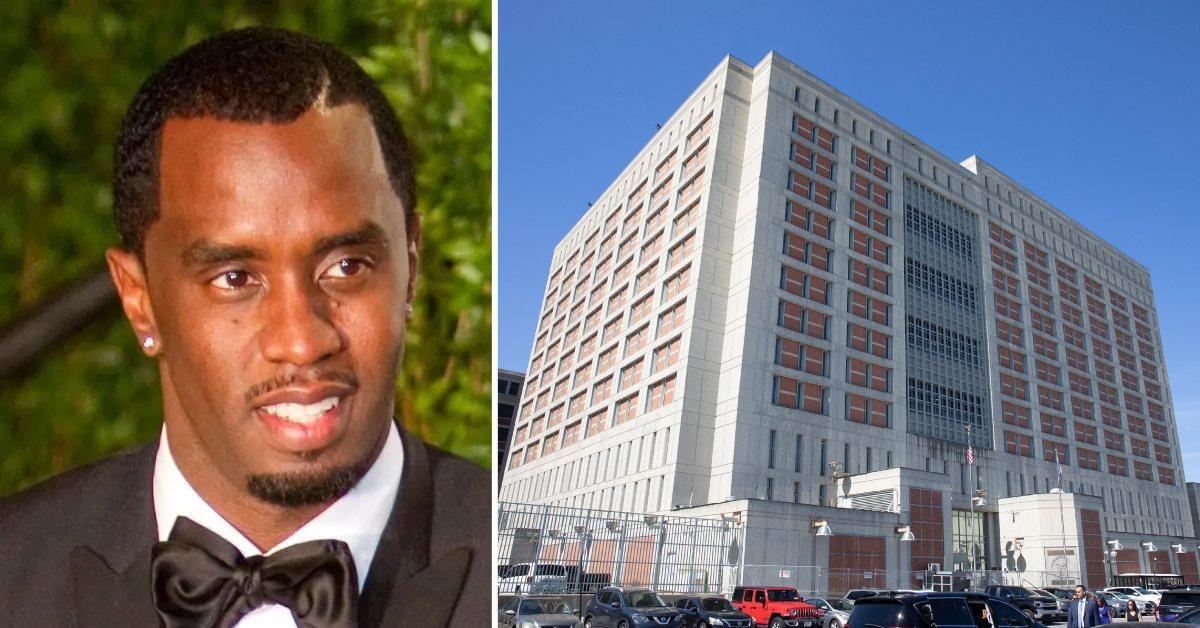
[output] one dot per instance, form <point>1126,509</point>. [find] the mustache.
<point>260,389</point>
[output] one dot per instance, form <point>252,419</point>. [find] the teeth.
<point>302,413</point>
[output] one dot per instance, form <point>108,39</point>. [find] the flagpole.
<point>971,496</point>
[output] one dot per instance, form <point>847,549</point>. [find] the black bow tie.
<point>200,579</point>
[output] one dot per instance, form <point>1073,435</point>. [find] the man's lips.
<point>304,419</point>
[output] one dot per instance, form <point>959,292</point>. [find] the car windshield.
<point>783,595</point>
<point>1119,596</point>
<point>1140,591</point>
<point>550,606</point>
<point>551,570</point>
<point>1189,617</point>
<point>645,599</point>
<point>717,604</point>
<point>1042,593</point>
<point>842,605</point>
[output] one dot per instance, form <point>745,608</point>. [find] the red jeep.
<point>777,607</point>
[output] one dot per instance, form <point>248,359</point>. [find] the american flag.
<point>970,454</point>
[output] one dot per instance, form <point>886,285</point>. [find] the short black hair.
<point>253,75</point>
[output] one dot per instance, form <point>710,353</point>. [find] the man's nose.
<point>297,326</point>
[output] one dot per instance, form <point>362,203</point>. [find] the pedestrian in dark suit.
<point>263,190</point>
<point>1083,612</point>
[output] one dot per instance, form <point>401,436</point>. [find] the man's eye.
<point>347,267</point>
<point>232,280</point>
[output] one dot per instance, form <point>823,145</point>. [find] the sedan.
<point>836,611</point>
<point>700,612</point>
<point>538,612</point>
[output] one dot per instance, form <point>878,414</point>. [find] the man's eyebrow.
<point>205,252</point>
<point>369,233</point>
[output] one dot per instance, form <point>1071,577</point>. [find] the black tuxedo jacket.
<point>75,549</point>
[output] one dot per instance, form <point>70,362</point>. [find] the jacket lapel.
<point>110,581</point>
<point>402,570</point>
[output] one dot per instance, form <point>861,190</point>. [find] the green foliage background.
<point>67,72</point>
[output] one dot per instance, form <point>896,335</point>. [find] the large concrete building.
<point>789,309</point>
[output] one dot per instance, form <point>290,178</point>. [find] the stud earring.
<point>408,310</point>
<point>148,343</point>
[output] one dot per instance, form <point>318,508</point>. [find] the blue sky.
<point>1095,106</point>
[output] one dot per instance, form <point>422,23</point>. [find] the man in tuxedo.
<point>1083,612</point>
<point>263,191</point>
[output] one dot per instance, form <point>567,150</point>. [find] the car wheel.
<point>1028,613</point>
<point>776,622</point>
<point>833,623</point>
<point>587,623</point>
<point>623,624</point>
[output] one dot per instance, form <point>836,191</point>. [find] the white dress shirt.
<point>358,518</point>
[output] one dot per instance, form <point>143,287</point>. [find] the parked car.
<point>937,610</point>
<point>857,594</point>
<point>777,607</point>
<point>538,612</point>
<point>1189,617</point>
<point>836,611</point>
<point>1146,598</point>
<point>618,607</point>
<point>702,612</point>
<point>1034,606</point>
<point>1064,603</point>
<point>530,578</point>
<point>1175,602</point>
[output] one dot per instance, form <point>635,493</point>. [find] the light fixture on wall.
<point>821,527</point>
<point>980,498</point>
<point>905,533</point>
<point>1178,547</point>
<point>1149,545</point>
<point>1115,545</point>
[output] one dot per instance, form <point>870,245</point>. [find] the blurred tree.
<point>68,72</point>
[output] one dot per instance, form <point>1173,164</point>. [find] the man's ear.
<point>129,276</point>
<point>413,249</point>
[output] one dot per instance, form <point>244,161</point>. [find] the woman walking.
<point>1131,611</point>
<point>1102,607</point>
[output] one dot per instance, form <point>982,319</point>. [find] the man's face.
<point>1079,591</point>
<point>277,277</point>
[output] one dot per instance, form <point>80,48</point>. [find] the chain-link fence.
<point>805,578</point>
<point>559,549</point>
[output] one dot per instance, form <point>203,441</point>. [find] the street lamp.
<point>585,546</point>
<point>820,527</point>
<point>837,469</point>
<point>905,532</point>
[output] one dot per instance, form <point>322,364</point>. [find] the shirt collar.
<point>357,518</point>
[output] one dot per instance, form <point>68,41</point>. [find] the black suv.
<point>701,611</point>
<point>937,610</point>
<point>617,607</point>
<point>1039,607</point>
<point>1175,602</point>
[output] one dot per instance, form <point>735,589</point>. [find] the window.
<point>804,321</point>
<point>771,449</point>
<point>665,356</point>
<point>804,285</point>
<point>807,252</point>
<point>661,394</point>
<point>860,409</point>
<point>875,219</point>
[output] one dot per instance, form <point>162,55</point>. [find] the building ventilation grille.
<point>879,501</point>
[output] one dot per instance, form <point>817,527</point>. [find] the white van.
<point>530,578</point>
